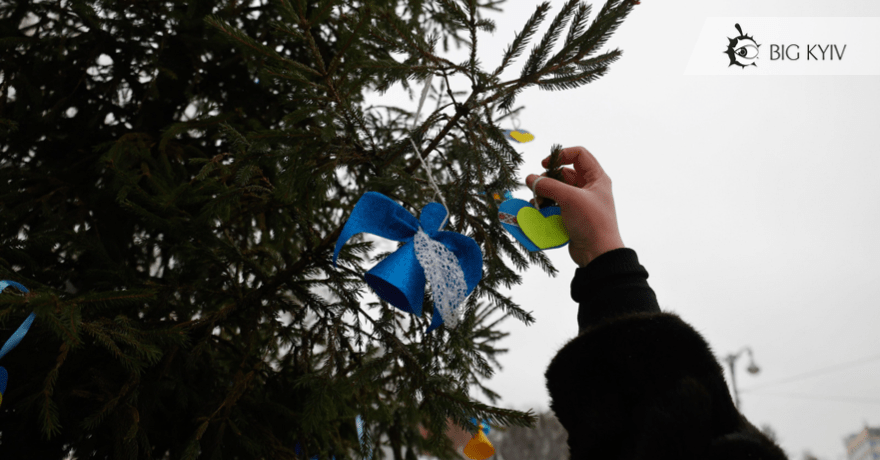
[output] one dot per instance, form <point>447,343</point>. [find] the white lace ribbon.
<point>444,274</point>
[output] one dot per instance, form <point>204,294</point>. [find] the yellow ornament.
<point>544,232</point>
<point>521,136</point>
<point>479,447</point>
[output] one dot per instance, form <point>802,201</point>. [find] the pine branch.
<point>577,27</point>
<point>243,40</point>
<point>572,43</point>
<point>536,58</point>
<point>362,20</point>
<point>523,37</point>
<point>50,418</point>
<point>574,81</point>
<point>609,18</point>
<point>240,232</point>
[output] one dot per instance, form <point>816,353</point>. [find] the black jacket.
<point>638,383</point>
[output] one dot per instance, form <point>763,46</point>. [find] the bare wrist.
<point>593,255</point>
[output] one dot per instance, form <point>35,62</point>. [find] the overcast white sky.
<point>751,201</point>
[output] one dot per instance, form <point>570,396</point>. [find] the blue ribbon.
<point>399,279</point>
<point>16,337</point>
<point>484,422</point>
<point>360,427</point>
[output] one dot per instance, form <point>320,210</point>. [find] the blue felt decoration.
<point>360,428</point>
<point>4,377</point>
<point>16,337</point>
<point>399,279</point>
<point>507,214</point>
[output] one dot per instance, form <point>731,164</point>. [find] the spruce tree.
<point>172,257</point>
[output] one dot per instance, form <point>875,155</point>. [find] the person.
<point>635,383</point>
<point>458,435</point>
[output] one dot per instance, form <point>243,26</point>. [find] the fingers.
<point>586,171</point>
<point>586,165</point>
<point>459,435</point>
<point>570,176</point>
<point>545,188</point>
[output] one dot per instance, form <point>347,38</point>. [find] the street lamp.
<point>731,361</point>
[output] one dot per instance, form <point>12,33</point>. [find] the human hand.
<point>586,202</point>
<point>458,435</point>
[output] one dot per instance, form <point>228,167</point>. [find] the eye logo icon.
<point>742,50</point>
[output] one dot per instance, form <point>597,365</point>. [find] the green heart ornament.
<point>545,232</point>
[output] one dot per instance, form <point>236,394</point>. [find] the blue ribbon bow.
<point>16,337</point>
<point>399,279</point>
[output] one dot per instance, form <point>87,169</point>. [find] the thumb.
<point>547,188</point>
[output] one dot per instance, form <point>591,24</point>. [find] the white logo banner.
<point>787,46</point>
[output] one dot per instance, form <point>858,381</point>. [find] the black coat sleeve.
<point>638,383</point>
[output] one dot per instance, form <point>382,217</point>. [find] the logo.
<point>742,50</point>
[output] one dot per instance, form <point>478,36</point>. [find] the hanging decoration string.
<point>419,153</point>
<point>450,262</point>
<point>534,192</point>
<point>516,134</point>
<point>441,266</point>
